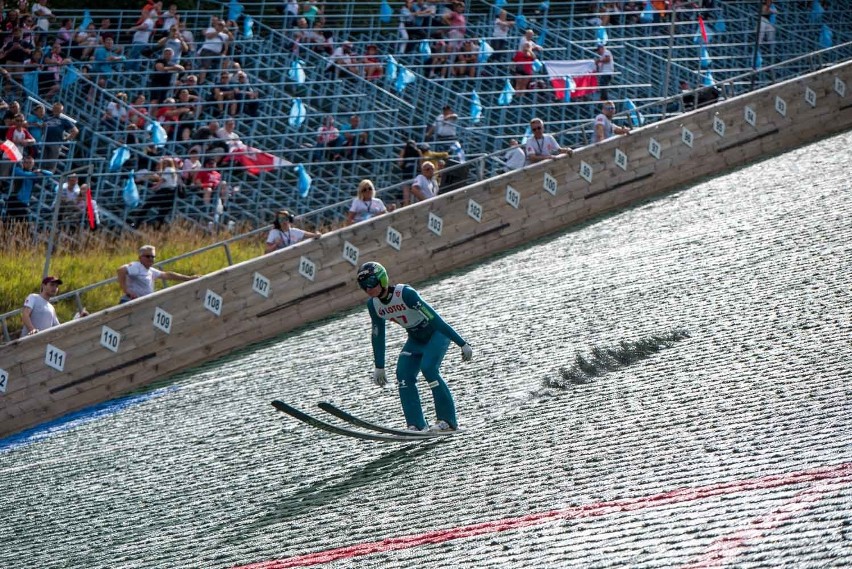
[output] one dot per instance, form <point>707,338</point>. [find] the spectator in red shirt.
<point>208,179</point>
<point>523,67</point>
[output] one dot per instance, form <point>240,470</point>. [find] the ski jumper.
<point>428,339</point>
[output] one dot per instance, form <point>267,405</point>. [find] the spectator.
<point>38,313</point>
<point>466,60</point>
<point>406,26</point>
<point>353,138</point>
<point>514,158</point>
<point>425,186</point>
<point>366,204</point>
<point>70,191</point>
<point>35,124</point>
<point>500,35</point>
<point>311,11</point>
<point>604,127</point>
<point>24,178</point>
<point>433,156</point>
<point>191,165</point>
<point>245,100</point>
<point>209,180</point>
<point>444,126</point>
<point>141,39</point>
<point>138,114</point>
<point>328,138</point>
<point>43,14</point>
<point>116,114</point>
<point>605,67</point>
<point>65,34</point>
<point>372,64</point>
<point>58,128</point>
<point>767,22</point>
<point>528,42</point>
<point>107,58</point>
<point>216,39</point>
<point>20,135</point>
<point>542,146</point>
<point>456,23</point>
<point>170,20</point>
<point>14,52</point>
<point>524,69</point>
<point>106,30</point>
<point>161,79</point>
<point>341,59</point>
<point>284,234</point>
<point>222,93</point>
<point>186,114</point>
<point>632,12</point>
<point>290,10</point>
<point>86,41</point>
<point>176,43</point>
<point>136,279</point>
<point>162,199</point>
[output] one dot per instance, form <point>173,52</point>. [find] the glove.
<point>467,353</point>
<point>379,377</point>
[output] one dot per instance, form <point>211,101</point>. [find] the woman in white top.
<point>366,205</point>
<point>284,234</point>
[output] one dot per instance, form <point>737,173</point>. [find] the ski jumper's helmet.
<point>372,274</point>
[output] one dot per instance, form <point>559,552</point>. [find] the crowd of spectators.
<point>190,77</point>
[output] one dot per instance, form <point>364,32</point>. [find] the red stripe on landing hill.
<point>677,496</point>
<point>726,547</point>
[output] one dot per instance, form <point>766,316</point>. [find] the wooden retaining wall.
<point>123,348</point>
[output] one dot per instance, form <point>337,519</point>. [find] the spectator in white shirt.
<point>542,146</point>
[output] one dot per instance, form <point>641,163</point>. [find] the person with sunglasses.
<point>542,146</point>
<point>429,337</point>
<point>136,279</point>
<point>604,127</point>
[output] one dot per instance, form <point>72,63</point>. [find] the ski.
<point>322,425</point>
<point>353,420</point>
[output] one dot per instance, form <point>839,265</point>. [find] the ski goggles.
<point>369,282</point>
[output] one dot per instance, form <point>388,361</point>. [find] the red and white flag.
<point>10,151</point>
<point>581,71</point>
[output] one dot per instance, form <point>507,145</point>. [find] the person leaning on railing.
<point>136,279</point>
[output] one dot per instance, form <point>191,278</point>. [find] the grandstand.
<point>289,83</point>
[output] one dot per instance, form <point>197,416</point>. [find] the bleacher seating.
<point>651,59</point>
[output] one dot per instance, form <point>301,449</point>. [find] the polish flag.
<point>10,151</point>
<point>256,161</point>
<point>582,71</point>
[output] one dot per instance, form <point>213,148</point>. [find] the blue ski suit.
<point>428,339</point>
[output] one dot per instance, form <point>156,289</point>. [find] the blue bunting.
<point>404,77</point>
<point>297,113</point>
<point>297,72</point>
<point>542,36</point>
<point>248,24</point>
<point>425,49</point>
<point>304,181</point>
<point>704,59</point>
<point>385,12</point>
<point>119,157</point>
<point>720,26</point>
<point>390,68</point>
<point>475,108</point>
<point>521,24</point>
<point>69,76</point>
<point>527,135</point>
<point>537,66</point>
<point>485,51</point>
<point>636,118</point>
<point>826,39</point>
<point>707,78</point>
<point>235,10</point>
<point>130,193</point>
<point>87,19</point>
<point>758,60</point>
<point>648,12</point>
<point>159,136</point>
<point>816,12</point>
<point>601,35</point>
<point>507,95</point>
<point>30,82</point>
